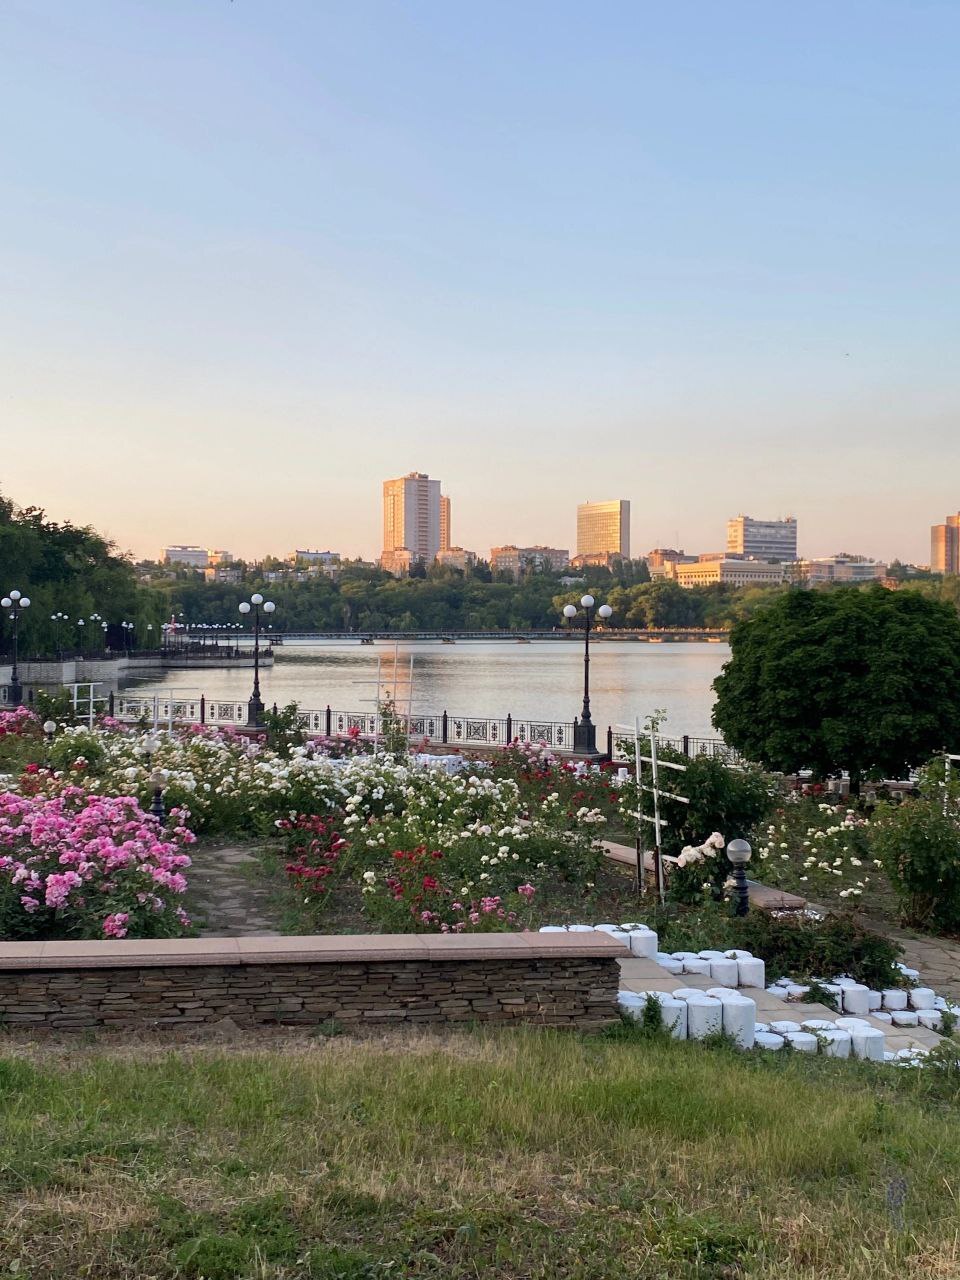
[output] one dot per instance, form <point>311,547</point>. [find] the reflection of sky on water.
<point>487,678</point>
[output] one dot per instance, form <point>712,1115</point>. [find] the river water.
<point>542,679</point>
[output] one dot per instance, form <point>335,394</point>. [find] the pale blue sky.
<point>257,256</point>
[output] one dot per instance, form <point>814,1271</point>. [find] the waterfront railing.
<point>442,729</point>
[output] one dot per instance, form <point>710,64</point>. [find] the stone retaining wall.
<point>569,980</point>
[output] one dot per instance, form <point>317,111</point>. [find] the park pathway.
<point>937,959</point>
<point>226,899</point>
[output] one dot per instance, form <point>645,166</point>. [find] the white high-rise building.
<point>762,539</point>
<point>411,521</point>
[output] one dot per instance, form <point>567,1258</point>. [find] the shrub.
<point>734,801</point>
<point>919,846</point>
<point>799,945</point>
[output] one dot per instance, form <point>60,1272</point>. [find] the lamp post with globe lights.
<point>16,602</point>
<point>584,730</point>
<point>738,852</point>
<point>256,603</point>
<point>58,618</point>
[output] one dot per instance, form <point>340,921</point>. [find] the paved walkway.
<point>937,959</point>
<point>224,900</point>
<point>637,974</point>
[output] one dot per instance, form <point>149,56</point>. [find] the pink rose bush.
<point>18,721</point>
<point>75,865</point>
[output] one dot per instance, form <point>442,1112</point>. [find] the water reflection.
<point>487,678</point>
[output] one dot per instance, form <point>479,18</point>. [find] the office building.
<point>445,527</point>
<point>838,568</point>
<point>603,532</point>
<point>762,539</point>
<point>726,571</point>
<point>411,522</point>
<point>518,560</point>
<point>945,546</point>
<point>189,556</point>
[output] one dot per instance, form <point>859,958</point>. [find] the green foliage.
<point>284,729</point>
<point>792,945</point>
<point>70,569</point>
<point>802,946</point>
<point>54,706</point>
<point>863,680</point>
<point>393,731</point>
<point>919,846</point>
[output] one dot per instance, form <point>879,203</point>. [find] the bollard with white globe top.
<point>255,705</point>
<point>584,730</point>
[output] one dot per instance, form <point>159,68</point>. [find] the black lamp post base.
<point>585,738</point>
<point>741,892</point>
<point>14,693</point>
<point>255,713</point>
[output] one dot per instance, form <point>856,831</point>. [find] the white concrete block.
<point>881,1016</point>
<point>761,1026</point>
<point>874,1000</point>
<point>818,1024</point>
<point>674,1013</point>
<point>867,1042</point>
<point>856,998</point>
<point>704,1017</point>
<point>643,942</point>
<point>736,954</point>
<point>802,1041</point>
<point>768,1040</point>
<point>739,1019</point>
<point>835,1043</point>
<point>894,998</point>
<point>725,993</point>
<point>668,963</point>
<point>908,972</point>
<point>580,928</point>
<point>784,1027</point>
<point>551,928</point>
<point>687,993</point>
<point>905,1018</point>
<point>751,972</point>
<point>922,998</point>
<point>724,971</point>
<point>619,936</point>
<point>607,928</point>
<point>931,1018</point>
<point>708,954</point>
<point>695,964</point>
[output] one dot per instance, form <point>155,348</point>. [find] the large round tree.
<point>844,678</point>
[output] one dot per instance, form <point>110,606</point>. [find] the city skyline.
<point>700,255</point>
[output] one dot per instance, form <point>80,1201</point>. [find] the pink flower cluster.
<point>77,865</point>
<point>19,720</point>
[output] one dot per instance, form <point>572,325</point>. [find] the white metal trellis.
<point>77,699</point>
<point>648,732</point>
<point>402,690</point>
<point>948,761</point>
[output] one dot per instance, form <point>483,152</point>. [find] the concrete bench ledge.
<point>355,948</point>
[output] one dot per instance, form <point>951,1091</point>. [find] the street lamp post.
<point>58,618</point>
<point>16,602</point>
<point>255,705</point>
<point>584,731</point>
<point>156,780</point>
<point>739,851</point>
<point>81,625</point>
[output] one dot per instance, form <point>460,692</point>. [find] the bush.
<point>792,945</point>
<point>731,801</point>
<point>803,946</point>
<point>919,846</point>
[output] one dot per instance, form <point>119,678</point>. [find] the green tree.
<point>863,680</point>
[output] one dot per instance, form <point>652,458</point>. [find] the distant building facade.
<point>446,531</point>
<point>945,546</point>
<point>762,539</point>
<point>191,556</point>
<point>411,522</point>
<point>457,558</point>
<point>660,561</point>
<point>603,532</point>
<point>517,560</point>
<point>726,571</point>
<point>838,568</point>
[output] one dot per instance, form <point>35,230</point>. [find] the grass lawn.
<point>516,1155</point>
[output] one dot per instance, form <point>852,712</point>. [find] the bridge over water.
<point>648,635</point>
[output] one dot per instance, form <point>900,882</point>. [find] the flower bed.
<point>81,866</point>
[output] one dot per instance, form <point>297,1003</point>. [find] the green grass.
<point>515,1155</point>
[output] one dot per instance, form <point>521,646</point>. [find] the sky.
<point>256,256</point>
